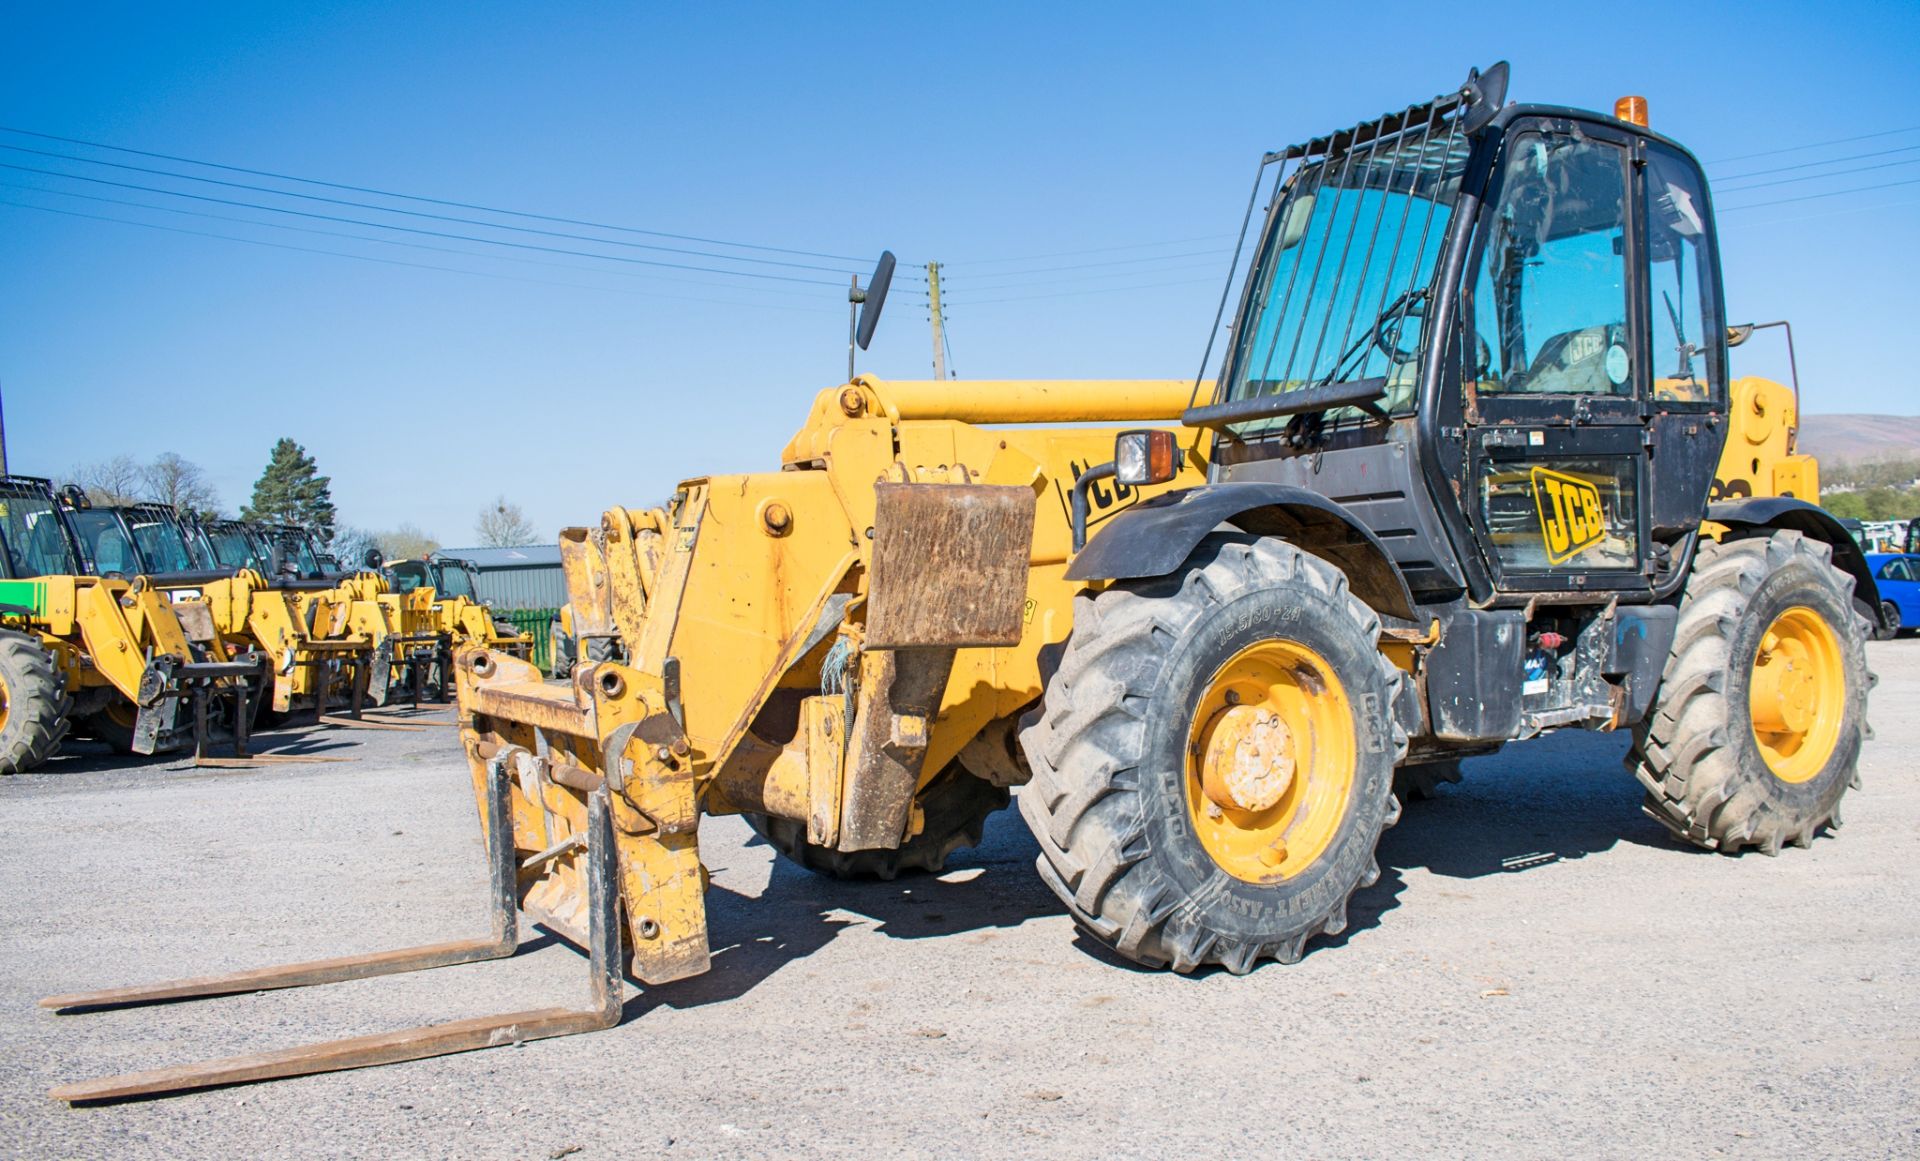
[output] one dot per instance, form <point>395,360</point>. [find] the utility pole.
<point>939,324</point>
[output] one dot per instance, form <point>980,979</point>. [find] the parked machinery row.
<point>151,630</point>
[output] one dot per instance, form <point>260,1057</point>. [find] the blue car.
<point>1898,576</point>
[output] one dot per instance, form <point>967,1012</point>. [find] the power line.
<point>416,213</point>
<point>967,286</point>
<point>1816,164</point>
<point>1825,215</point>
<point>431,200</point>
<point>1829,194</point>
<point>1075,293</point>
<point>401,262</point>
<point>1822,176</point>
<point>1815,145</point>
<point>1106,265</point>
<point>422,232</point>
<point>648,274</point>
<point>1096,250</point>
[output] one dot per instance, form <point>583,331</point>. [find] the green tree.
<point>1845,505</point>
<point>292,491</point>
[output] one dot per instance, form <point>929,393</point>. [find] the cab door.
<point>1555,381</point>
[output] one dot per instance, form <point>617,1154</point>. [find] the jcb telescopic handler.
<point>1454,486</point>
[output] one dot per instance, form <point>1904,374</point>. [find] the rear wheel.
<point>955,806</point>
<point>1755,733</point>
<point>1213,761</point>
<point>33,704</point>
<point>113,724</point>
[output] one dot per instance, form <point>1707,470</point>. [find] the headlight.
<point>1145,457</point>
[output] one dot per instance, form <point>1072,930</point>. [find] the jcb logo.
<point>1571,519</point>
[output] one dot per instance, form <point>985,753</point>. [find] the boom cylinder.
<point>1036,400</point>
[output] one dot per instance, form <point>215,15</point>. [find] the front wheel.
<point>1213,760</point>
<point>1755,733</point>
<point>954,806</point>
<point>33,703</point>
<point>1889,622</point>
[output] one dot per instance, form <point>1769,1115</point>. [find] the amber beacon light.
<point>1632,109</point>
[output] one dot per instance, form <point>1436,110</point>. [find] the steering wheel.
<point>1390,329</point>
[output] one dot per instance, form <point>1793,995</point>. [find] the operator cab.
<point>34,540</point>
<point>1471,325</point>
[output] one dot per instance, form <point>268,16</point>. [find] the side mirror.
<point>1145,457</point>
<point>873,299</point>
<point>373,559</point>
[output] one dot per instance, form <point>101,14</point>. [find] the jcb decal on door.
<point>1571,520</point>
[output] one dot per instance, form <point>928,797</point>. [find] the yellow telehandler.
<point>111,654</point>
<point>1456,484</point>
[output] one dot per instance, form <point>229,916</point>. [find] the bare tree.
<point>349,546</point>
<point>119,480</point>
<point>404,542</point>
<point>504,525</point>
<point>173,479</point>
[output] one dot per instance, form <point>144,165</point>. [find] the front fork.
<point>609,727</point>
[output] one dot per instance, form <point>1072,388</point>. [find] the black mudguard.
<point>1154,537</point>
<point>1808,520</point>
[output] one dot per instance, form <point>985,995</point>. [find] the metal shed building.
<point>517,578</point>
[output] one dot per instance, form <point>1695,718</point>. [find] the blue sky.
<point>968,134</point>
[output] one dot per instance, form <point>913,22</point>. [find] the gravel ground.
<point>1538,972</point>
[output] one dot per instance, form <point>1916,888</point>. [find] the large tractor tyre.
<point>33,704</point>
<point>112,725</point>
<point>1420,781</point>
<point>955,806</point>
<point>1755,732</point>
<point>1213,760</point>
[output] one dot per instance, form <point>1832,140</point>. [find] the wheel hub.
<point>1797,694</point>
<point>1249,760</point>
<point>1270,761</point>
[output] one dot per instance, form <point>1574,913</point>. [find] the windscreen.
<point>105,543</point>
<point>454,580</point>
<point>233,548</point>
<point>160,541</point>
<point>296,551</point>
<point>404,576</point>
<point>34,543</point>
<point>1340,290</point>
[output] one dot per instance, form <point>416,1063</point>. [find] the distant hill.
<point>1854,438</point>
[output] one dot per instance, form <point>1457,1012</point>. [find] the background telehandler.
<point>110,654</point>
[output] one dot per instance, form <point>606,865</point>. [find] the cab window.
<point>35,544</point>
<point>105,542</point>
<point>1680,281</point>
<point>1550,294</point>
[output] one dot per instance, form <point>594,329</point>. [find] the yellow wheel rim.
<point>1798,694</point>
<point>1270,761</point>
<point>6,702</point>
